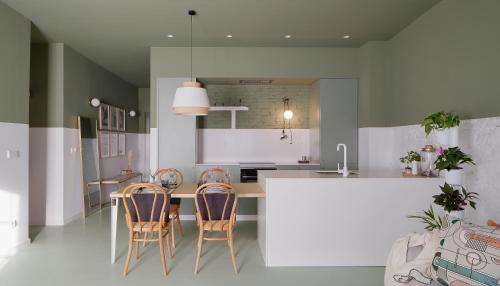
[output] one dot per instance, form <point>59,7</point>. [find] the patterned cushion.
<point>468,255</point>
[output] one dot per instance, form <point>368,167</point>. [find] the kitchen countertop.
<point>311,174</point>
<point>277,164</point>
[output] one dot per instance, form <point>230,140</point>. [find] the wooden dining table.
<point>186,190</point>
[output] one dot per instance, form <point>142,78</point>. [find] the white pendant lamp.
<point>191,98</point>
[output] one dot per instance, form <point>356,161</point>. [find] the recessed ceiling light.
<point>288,36</point>
<point>346,36</point>
<point>229,36</point>
<point>170,36</point>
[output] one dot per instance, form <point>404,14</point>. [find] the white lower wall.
<point>73,191</point>
<point>237,145</point>
<point>55,172</point>
<point>381,148</point>
<point>46,176</point>
<point>55,183</point>
<point>14,187</point>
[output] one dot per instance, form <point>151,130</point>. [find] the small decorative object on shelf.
<point>445,126</point>
<point>431,219</point>
<point>428,156</point>
<point>454,201</point>
<point>450,160</point>
<point>129,165</point>
<point>412,160</point>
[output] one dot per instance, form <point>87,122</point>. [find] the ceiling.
<point>117,34</point>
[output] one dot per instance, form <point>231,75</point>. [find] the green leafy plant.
<point>430,218</point>
<point>454,199</point>
<point>410,157</point>
<point>452,159</point>
<point>440,120</point>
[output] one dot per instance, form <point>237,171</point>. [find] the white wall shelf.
<point>231,109</point>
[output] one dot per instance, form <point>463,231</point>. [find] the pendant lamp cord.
<point>191,50</point>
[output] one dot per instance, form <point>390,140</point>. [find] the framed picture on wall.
<point>104,117</point>
<point>121,144</point>
<point>121,119</point>
<point>113,118</point>
<point>113,144</point>
<point>104,144</point>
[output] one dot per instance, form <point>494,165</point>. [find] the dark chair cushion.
<point>173,201</point>
<point>215,203</point>
<point>144,203</point>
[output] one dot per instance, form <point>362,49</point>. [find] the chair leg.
<point>198,256</point>
<point>129,255</point>
<point>137,251</point>
<point>162,252</point>
<point>145,237</point>
<point>173,230</point>
<point>169,246</point>
<point>179,223</point>
<point>231,248</point>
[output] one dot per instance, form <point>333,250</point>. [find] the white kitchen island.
<point>311,219</point>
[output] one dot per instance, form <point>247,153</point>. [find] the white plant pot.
<point>442,136</point>
<point>415,168</point>
<point>454,177</point>
<point>453,136</point>
<point>457,214</point>
<point>447,137</point>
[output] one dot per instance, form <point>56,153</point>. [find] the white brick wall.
<point>264,102</point>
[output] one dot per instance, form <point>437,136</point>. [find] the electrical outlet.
<point>13,224</point>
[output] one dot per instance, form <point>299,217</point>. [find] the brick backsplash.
<point>264,103</point>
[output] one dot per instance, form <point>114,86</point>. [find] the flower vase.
<point>454,177</point>
<point>457,214</point>
<point>415,168</point>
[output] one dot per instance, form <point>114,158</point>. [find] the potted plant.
<point>430,219</point>
<point>454,201</point>
<point>412,160</point>
<point>450,161</point>
<point>445,125</point>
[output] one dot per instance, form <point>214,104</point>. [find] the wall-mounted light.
<point>94,102</point>
<point>287,116</point>
<point>132,113</point>
<point>287,113</point>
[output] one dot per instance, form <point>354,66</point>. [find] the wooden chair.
<point>171,179</point>
<point>146,207</point>
<point>213,175</point>
<point>215,212</point>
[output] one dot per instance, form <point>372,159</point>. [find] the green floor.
<point>78,254</point>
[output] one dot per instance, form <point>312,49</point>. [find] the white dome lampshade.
<point>191,99</point>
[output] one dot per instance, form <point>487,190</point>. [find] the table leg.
<point>114,221</point>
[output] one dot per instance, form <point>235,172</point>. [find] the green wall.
<point>372,82</point>
<point>47,85</point>
<point>448,59</point>
<point>264,102</point>
<point>84,79</point>
<point>144,109</point>
<point>14,66</point>
<point>63,81</point>
<point>251,62</point>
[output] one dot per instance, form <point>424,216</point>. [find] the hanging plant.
<point>440,120</point>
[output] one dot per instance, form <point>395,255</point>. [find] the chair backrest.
<point>169,178</point>
<point>146,202</point>
<point>215,201</point>
<point>213,175</point>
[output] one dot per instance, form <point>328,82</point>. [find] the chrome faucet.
<point>344,170</point>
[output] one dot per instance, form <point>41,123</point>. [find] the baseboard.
<point>73,218</point>
<point>15,248</point>
<point>238,217</point>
